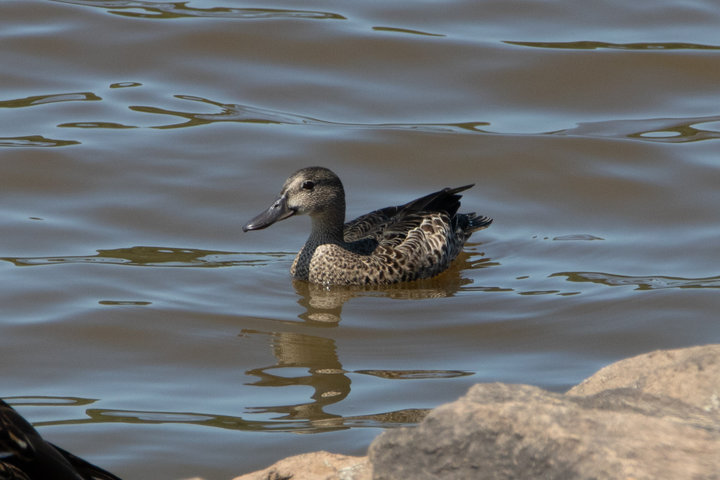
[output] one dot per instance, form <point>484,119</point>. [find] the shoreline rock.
<point>315,466</point>
<point>653,416</point>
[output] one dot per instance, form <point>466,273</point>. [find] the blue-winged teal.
<point>394,244</point>
<point>25,455</point>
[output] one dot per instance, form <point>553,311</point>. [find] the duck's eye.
<point>308,185</point>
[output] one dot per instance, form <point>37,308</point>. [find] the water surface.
<point>142,330</point>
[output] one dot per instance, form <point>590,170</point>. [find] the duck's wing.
<point>367,226</point>
<point>23,450</point>
<point>393,223</point>
<point>15,434</point>
<point>87,470</point>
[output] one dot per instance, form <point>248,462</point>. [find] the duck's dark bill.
<point>279,210</point>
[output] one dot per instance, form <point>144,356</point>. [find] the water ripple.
<point>173,10</point>
<point>407,30</point>
<point>321,423</point>
<point>578,236</point>
<point>670,130</point>
<point>415,374</point>
<point>315,423</point>
<point>95,125</point>
<point>155,256</point>
<point>48,401</point>
<point>666,130</point>
<point>51,98</point>
<point>232,112</point>
<point>590,45</point>
<point>641,282</point>
<point>35,141</point>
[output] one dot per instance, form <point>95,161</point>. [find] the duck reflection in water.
<point>314,354</point>
<point>330,383</point>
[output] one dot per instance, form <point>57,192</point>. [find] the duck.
<point>25,455</point>
<point>404,243</point>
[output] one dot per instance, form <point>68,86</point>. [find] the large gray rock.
<point>654,416</point>
<point>688,374</point>
<point>500,431</point>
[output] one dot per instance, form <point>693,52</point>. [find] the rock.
<point>315,466</point>
<point>688,374</point>
<point>654,416</point>
<point>500,431</point>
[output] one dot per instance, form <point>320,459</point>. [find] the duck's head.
<point>314,191</point>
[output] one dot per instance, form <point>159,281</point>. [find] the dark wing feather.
<point>367,226</point>
<point>391,224</point>
<point>22,449</point>
<point>446,200</point>
<point>9,471</point>
<point>86,469</point>
<point>17,436</point>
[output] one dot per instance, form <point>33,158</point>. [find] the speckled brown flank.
<point>395,244</point>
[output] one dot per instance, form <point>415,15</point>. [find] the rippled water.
<point>142,330</point>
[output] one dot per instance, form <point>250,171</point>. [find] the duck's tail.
<point>472,222</point>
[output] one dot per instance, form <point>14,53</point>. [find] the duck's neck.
<point>327,228</point>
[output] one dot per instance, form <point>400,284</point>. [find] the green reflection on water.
<point>640,282</point>
<point>174,10</point>
<point>148,256</point>
<point>35,141</point>
<point>591,45</point>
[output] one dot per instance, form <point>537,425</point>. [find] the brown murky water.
<point>143,330</point>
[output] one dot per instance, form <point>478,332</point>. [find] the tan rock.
<point>500,431</point>
<point>688,374</point>
<point>315,466</point>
